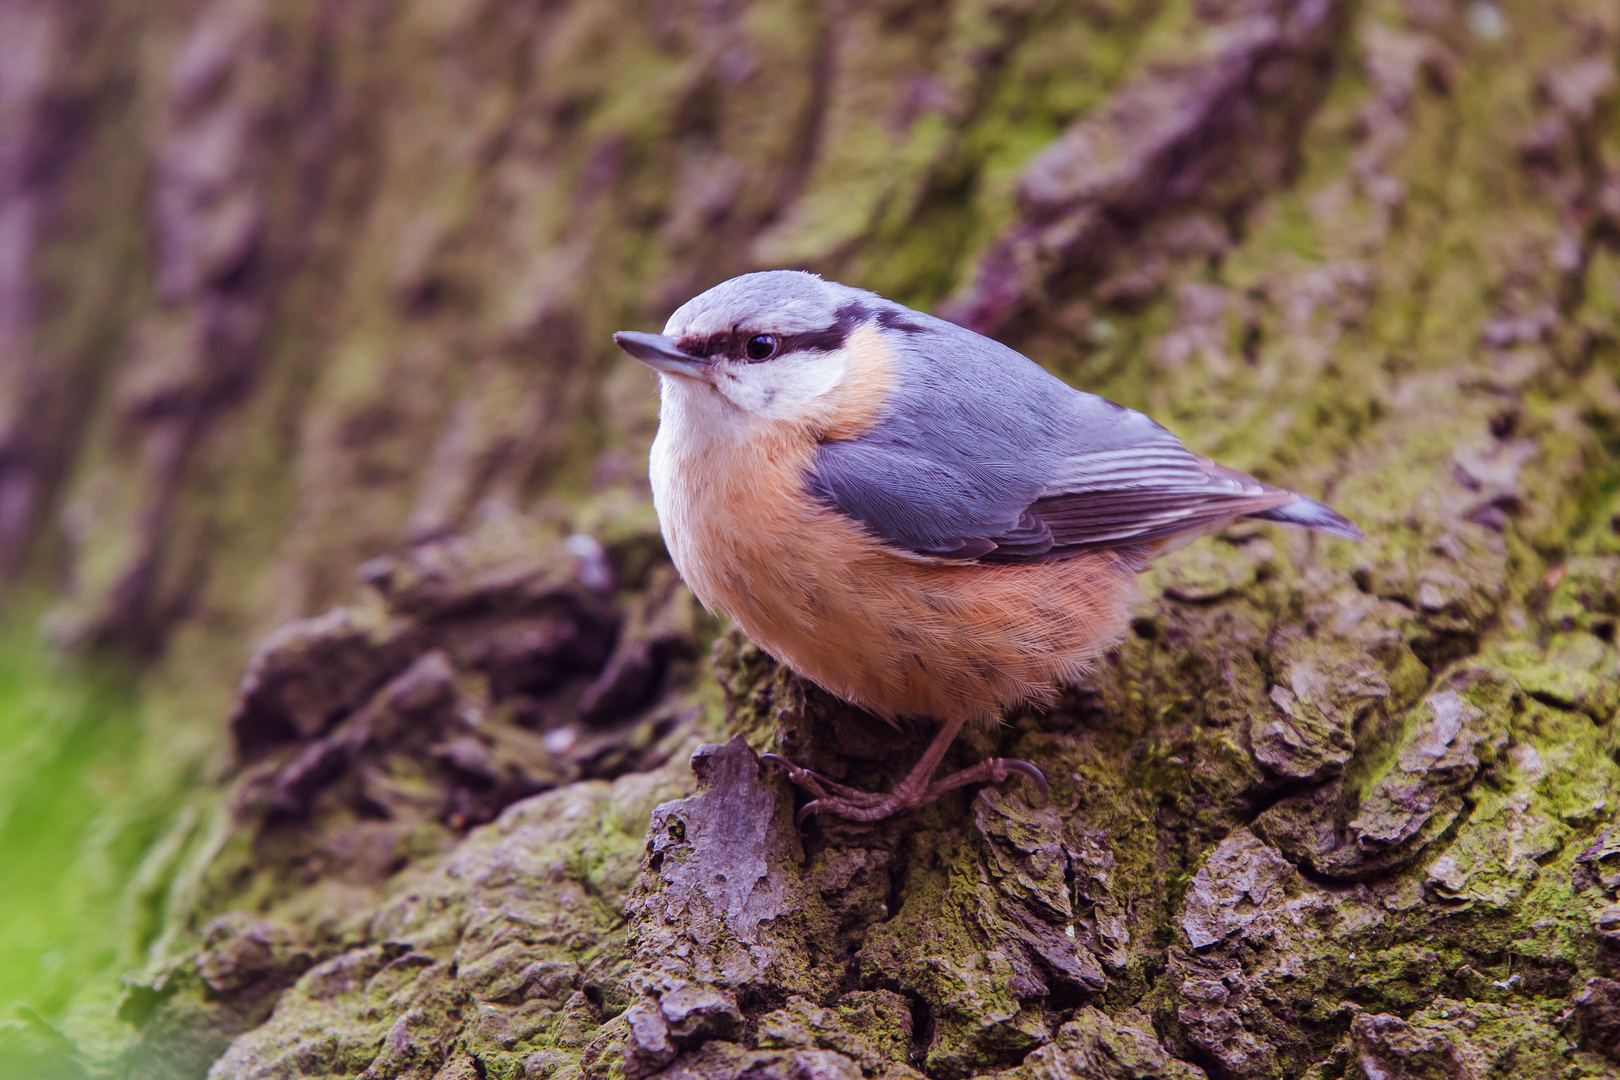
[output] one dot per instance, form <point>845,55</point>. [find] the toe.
<point>1034,775</point>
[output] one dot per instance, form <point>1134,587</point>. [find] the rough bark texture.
<point>294,287</point>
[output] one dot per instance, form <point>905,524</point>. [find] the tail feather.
<point>1310,514</point>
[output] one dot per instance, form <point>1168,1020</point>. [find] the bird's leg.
<point>918,788</point>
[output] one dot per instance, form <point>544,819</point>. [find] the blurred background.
<point>287,285</point>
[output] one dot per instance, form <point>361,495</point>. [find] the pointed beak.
<point>660,353</point>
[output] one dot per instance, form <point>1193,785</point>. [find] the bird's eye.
<point>760,347</point>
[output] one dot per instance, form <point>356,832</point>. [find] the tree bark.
<point>294,289</point>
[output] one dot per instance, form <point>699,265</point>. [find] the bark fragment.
<point>1328,809</point>
<point>1162,140</point>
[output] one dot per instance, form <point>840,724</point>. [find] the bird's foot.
<point>851,804</point>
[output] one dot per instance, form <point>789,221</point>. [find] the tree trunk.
<point>291,288</point>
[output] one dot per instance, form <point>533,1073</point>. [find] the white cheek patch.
<point>785,388</point>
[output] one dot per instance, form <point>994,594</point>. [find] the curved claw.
<point>798,774</point>
<point>1035,776</point>
<point>778,759</point>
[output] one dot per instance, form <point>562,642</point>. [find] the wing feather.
<point>1035,470</point>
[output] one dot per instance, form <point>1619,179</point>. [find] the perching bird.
<point>917,518</point>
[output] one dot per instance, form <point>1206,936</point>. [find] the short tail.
<point>1310,514</point>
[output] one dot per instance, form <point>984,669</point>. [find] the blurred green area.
<point>81,802</point>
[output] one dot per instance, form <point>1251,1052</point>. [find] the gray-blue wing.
<point>982,455</point>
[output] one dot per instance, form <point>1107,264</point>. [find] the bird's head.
<point>777,346</point>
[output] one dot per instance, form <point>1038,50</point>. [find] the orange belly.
<point>953,642</point>
<point>897,635</point>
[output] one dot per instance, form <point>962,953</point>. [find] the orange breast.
<point>897,635</point>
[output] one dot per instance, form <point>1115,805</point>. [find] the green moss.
<point>514,190</point>
<point>78,815</point>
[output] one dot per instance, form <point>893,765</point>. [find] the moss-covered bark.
<point>310,287</point>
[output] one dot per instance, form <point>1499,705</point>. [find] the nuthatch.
<point>918,518</point>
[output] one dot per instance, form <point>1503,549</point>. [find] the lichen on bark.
<point>1331,810</point>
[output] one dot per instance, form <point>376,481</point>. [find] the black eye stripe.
<point>733,344</point>
<point>704,348</point>
<point>893,320</point>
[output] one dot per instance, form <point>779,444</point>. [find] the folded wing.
<point>1034,471</point>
